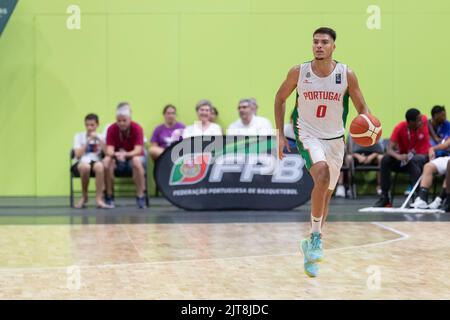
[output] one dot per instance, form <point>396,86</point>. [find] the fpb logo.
<point>232,172</point>
<point>190,169</point>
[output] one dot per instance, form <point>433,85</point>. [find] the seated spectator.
<point>88,147</point>
<point>203,127</point>
<point>439,128</point>
<point>407,150</point>
<point>438,166</point>
<point>248,123</point>
<point>214,115</point>
<point>106,127</point>
<point>254,107</point>
<point>357,156</point>
<point>125,153</point>
<point>167,133</point>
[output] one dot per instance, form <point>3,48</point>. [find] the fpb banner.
<point>6,9</point>
<point>232,172</point>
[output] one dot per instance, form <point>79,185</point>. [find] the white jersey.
<point>322,102</point>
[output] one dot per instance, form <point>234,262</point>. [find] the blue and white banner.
<point>232,172</point>
<point>6,9</point>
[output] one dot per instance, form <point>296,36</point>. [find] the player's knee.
<point>414,160</point>
<point>136,162</point>
<point>84,168</point>
<point>107,162</point>
<point>429,168</point>
<point>322,175</point>
<point>385,160</point>
<point>98,167</point>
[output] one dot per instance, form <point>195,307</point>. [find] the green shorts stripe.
<point>301,149</point>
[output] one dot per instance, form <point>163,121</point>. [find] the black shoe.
<point>383,202</point>
<point>445,205</point>
<point>110,201</point>
<point>140,202</point>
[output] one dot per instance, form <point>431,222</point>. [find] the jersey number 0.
<point>321,111</point>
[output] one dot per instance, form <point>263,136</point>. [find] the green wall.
<point>152,52</point>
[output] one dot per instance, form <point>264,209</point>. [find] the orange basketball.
<point>365,130</point>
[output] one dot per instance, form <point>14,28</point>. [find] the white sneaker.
<point>349,193</point>
<point>436,203</point>
<point>340,192</point>
<point>419,204</point>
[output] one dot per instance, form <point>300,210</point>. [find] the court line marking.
<point>403,236</point>
<point>141,255</point>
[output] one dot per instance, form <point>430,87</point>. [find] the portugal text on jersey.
<point>322,102</point>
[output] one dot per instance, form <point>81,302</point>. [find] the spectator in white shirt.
<point>203,127</point>
<point>254,105</point>
<point>248,123</point>
<point>88,146</point>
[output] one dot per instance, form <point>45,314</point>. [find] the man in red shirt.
<point>125,154</point>
<point>407,150</point>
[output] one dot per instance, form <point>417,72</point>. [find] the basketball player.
<point>323,88</point>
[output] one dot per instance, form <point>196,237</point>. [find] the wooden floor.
<point>363,260</point>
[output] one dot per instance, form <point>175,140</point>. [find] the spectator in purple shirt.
<point>167,133</point>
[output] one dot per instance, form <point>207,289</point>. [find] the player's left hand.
<point>282,143</point>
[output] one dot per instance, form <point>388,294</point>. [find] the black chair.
<point>365,168</point>
<point>348,173</point>
<point>124,180</point>
<point>360,168</point>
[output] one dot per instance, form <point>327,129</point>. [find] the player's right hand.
<point>282,143</point>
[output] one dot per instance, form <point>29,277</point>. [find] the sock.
<point>423,194</point>
<point>316,224</point>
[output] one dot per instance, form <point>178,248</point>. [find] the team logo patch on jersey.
<point>308,75</point>
<point>338,78</point>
